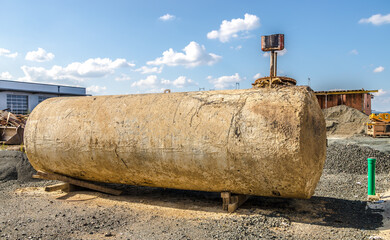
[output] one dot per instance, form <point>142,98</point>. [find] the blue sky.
<point>122,47</point>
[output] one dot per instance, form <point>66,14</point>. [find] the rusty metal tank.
<point>266,142</point>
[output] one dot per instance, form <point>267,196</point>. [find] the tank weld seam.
<point>203,103</point>
<point>68,114</point>
<point>196,112</point>
<point>234,117</point>
<point>174,116</point>
<point>117,155</point>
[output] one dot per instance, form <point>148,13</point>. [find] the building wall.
<point>32,99</point>
<point>359,101</point>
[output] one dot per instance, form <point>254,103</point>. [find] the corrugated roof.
<point>29,87</point>
<point>334,92</point>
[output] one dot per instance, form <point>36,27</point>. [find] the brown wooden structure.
<point>378,129</point>
<point>358,99</point>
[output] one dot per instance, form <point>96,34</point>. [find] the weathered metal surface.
<point>273,42</point>
<point>274,82</point>
<point>267,142</point>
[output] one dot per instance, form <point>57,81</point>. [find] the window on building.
<point>42,98</point>
<point>18,104</point>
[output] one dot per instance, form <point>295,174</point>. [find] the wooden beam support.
<point>65,187</point>
<point>56,187</point>
<point>77,182</point>
<point>232,202</point>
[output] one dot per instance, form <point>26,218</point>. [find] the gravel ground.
<point>352,158</point>
<point>337,210</point>
<point>152,213</point>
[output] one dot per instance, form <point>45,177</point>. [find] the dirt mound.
<point>14,165</point>
<point>344,120</point>
<point>351,158</point>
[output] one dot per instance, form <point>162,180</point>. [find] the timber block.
<point>232,202</point>
<point>73,183</point>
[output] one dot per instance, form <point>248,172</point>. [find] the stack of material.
<point>344,121</point>
<point>12,120</point>
<point>379,125</point>
<point>11,127</point>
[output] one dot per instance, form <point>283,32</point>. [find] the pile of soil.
<point>14,165</point>
<point>344,120</point>
<point>351,158</point>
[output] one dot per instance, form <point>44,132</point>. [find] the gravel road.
<point>337,210</point>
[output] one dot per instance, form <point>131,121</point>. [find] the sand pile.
<point>344,120</point>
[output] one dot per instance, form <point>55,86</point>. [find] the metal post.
<point>275,63</point>
<point>326,101</point>
<point>371,176</point>
<point>272,61</point>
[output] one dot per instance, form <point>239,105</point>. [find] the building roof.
<point>342,92</point>
<point>30,87</point>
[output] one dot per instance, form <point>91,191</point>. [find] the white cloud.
<point>152,83</point>
<point>354,52</point>
<point>5,76</point>
<point>225,81</point>
<point>76,71</point>
<point>280,53</point>
<point>149,70</point>
<point>377,19</point>
<point>94,89</point>
<point>236,48</point>
<point>149,81</point>
<point>194,55</point>
<point>380,92</point>
<point>123,77</point>
<point>231,29</point>
<point>7,53</point>
<point>379,69</point>
<point>167,17</point>
<point>381,102</point>
<point>179,82</point>
<point>182,81</point>
<point>39,56</point>
<point>258,75</point>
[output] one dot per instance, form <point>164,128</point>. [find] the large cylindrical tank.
<point>266,142</point>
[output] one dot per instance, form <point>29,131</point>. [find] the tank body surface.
<point>265,142</point>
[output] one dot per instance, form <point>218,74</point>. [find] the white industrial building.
<point>23,97</point>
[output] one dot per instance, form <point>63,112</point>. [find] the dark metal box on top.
<point>273,42</point>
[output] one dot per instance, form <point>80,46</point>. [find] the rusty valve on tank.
<point>273,43</point>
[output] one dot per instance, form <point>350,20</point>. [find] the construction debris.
<point>12,120</point>
<point>12,127</point>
